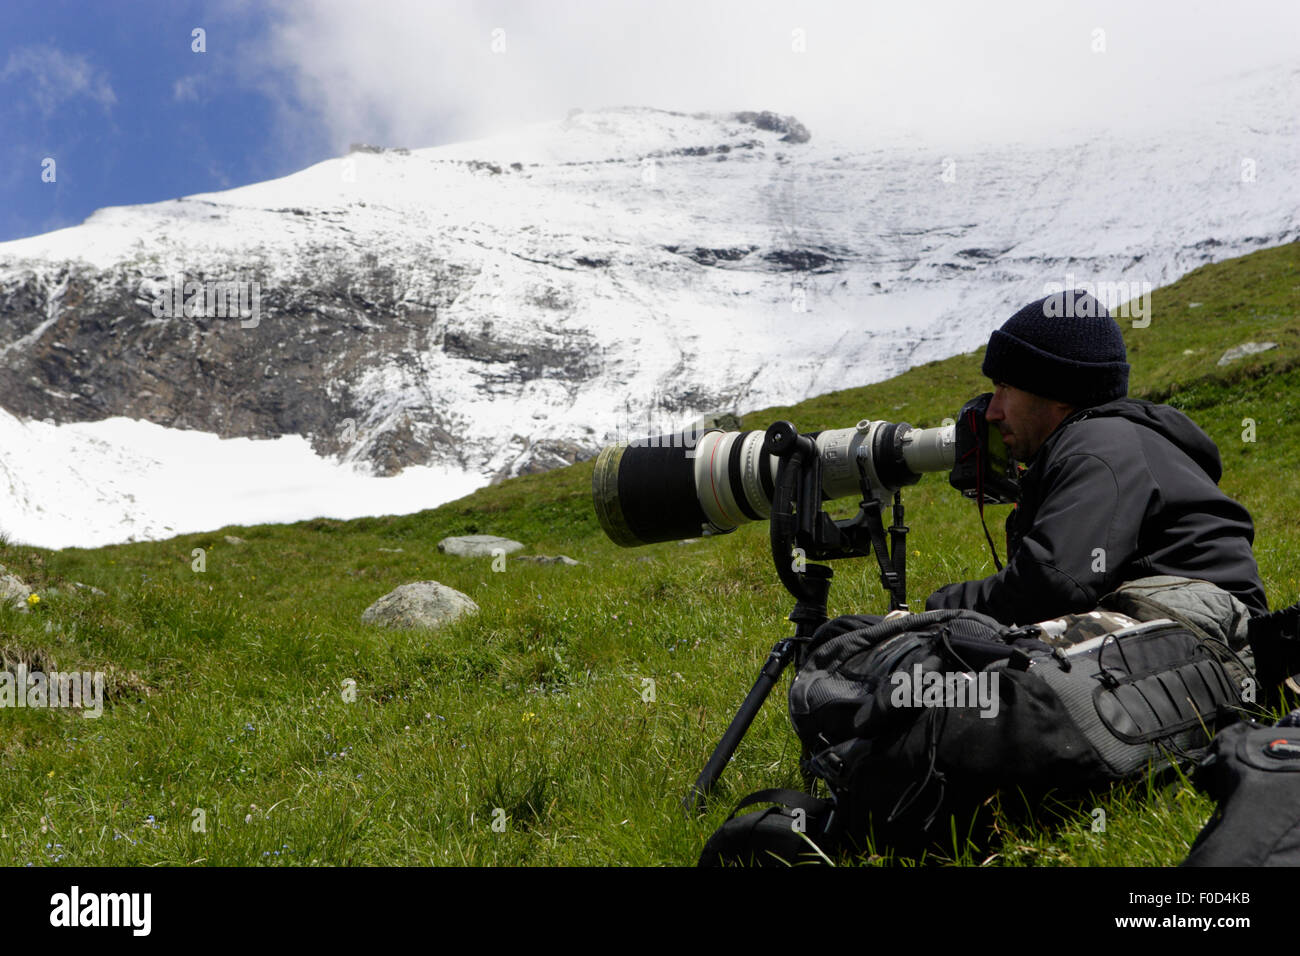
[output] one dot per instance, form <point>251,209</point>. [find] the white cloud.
<point>218,174</point>
<point>413,73</point>
<point>51,77</point>
<point>185,88</point>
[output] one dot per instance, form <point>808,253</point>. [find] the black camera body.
<point>983,469</point>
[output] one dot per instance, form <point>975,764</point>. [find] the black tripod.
<point>801,530</point>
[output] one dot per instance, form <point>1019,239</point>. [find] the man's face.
<point>1024,419</point>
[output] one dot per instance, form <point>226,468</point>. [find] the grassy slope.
<point>225,685</point>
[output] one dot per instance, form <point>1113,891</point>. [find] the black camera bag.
<point>1068,719</point>
<point>1087,703</point>
<point>1254,773</point>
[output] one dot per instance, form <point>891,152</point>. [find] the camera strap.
<point>980,449</point>
<point>988,537</point>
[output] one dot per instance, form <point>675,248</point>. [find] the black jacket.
<point>1119,491</point>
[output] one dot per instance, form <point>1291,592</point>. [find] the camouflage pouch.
<point>1204,607</point>
<point>1071,629</point>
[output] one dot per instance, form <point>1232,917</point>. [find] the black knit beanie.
<point>1064,346</point>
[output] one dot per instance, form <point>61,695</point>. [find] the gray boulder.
<point>477,545</point>
<point>426,604</point>
<point>1246,348</point>
<point>13,590</point>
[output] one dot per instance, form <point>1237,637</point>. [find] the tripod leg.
<point>781,655</point>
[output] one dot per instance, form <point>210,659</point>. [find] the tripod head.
<point>800,529</point>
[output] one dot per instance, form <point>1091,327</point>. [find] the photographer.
<point>1116,488</point>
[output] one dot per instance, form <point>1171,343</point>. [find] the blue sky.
<point>114,93</point>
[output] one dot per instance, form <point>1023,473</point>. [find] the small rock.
<point>548,559</point>
<point>477,545</point>
<point>1246,348</point>
<point>426,604</point>
<point>231,539</point>
<point>13,590</point>
<point>391,550</point>
<point>87,587</point>
<point>1194,305</point>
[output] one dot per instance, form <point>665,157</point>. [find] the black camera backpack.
<point>889,722</point>
<point>1252,770</point>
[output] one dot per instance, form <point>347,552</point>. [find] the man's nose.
<point>994,412</point>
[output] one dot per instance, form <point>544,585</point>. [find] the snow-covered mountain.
<point>418,322</point>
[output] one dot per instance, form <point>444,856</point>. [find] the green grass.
<point>226,694</point>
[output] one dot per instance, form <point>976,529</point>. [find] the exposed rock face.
<point>106,354</point>
<point>424,604</point>
<point>795,132</point>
